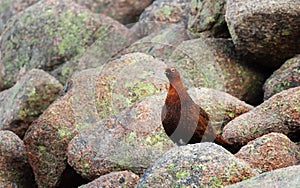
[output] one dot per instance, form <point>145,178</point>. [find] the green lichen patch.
<point>127,80</point>
<point>200,165</point>
<point>45,35</point>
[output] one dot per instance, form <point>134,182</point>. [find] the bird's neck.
<point>177,91</point>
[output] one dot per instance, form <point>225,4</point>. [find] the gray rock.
<point>268,32</point>
<point>207,18</point>
<point>213,63</point>
<point>196,165</point>
<point>160,15</point>
<point>131,140</point>
<point>115,179</point>
<point>279,114</point>
<point>220,106</point>
<point>9,8</point>
<point>287,76</point>
<point>124,11</point>
<point>14,168</point>
<point>46,35</point>
<point>26,100</point>
<point>270,152</point>
<point>284,177</point>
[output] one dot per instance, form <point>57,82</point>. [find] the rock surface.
<point>270,152</point>
<point>207,18</point>
<point>213,63</point>
<point>14,168</point>
<point>287,76</point>
<point>115,179</point>
<point>279,114</point>
<point>46,35</point>
<point>9,8</point>
<point>131,140</point>
<point>196,165</point>
<point>284,177</point>
<point>266,32</point>
<point>26,100</point>
<point>124,11</point>
<point>220,106</point>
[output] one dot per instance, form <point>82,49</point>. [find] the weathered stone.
<point>26,100</point>
<point>9,8</point>
<point>268,32</point>
<point>128,79</point>
<point>14,168</point>
<point>196,165</point>
<point>114,37</point>
<point>131,140</point>
<point>207,18</point>
<point>284,177</point>
<point>287,76</point>
<point>269,152</point>
<point>46,35</point>
<point>159,44</point>
<point>115,179</point>
<point>160,15</point>
<point>124,11</point>
<point>213,63</point>
<point>280,113</point>
<point>220,106</point>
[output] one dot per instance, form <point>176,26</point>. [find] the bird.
<point>183,120</point>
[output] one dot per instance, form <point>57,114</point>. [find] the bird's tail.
<point>233,148</point>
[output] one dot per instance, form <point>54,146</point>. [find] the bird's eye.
<point>173,69</point>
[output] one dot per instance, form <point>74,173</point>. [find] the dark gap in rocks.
<point>71,179</point>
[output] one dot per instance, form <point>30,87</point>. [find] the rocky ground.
<point>82,85</point>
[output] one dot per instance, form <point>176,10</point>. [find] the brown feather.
<point>184,121</point>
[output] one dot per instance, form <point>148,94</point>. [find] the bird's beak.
<point>167,73</point>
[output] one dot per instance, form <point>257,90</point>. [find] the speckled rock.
<point>160,15</point>
<point>159,44</point>
<point>128,79</point>
<point>220,106</point>
<point>115,179</point>
<point>269,152</point>
<point>284,177</point>
<point>265,31</point>
<point>207,18</point>
<point>212,63</point>
<point>14,168</point>
<point>26,100</point>
<point>89,96</point>
<point>113,38</point>
<point>287,76</point>
<point>131,140</point>
<point>124,11</point>
<point>196,165</point>
<point>279,114</point>
<point>46,35</point>
<point>9,8</point>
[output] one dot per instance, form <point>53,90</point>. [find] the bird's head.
<point>172,73</point>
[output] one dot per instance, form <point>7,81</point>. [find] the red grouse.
<point>184,121</point>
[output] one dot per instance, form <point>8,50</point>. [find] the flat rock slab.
<point>268,32</point>
<point>280,113</point>
<point>196,165</point>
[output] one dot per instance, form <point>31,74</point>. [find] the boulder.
<point>196,165</point>
<point>267,32</point>
<point>279,114</point>
<point>26,100</point>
